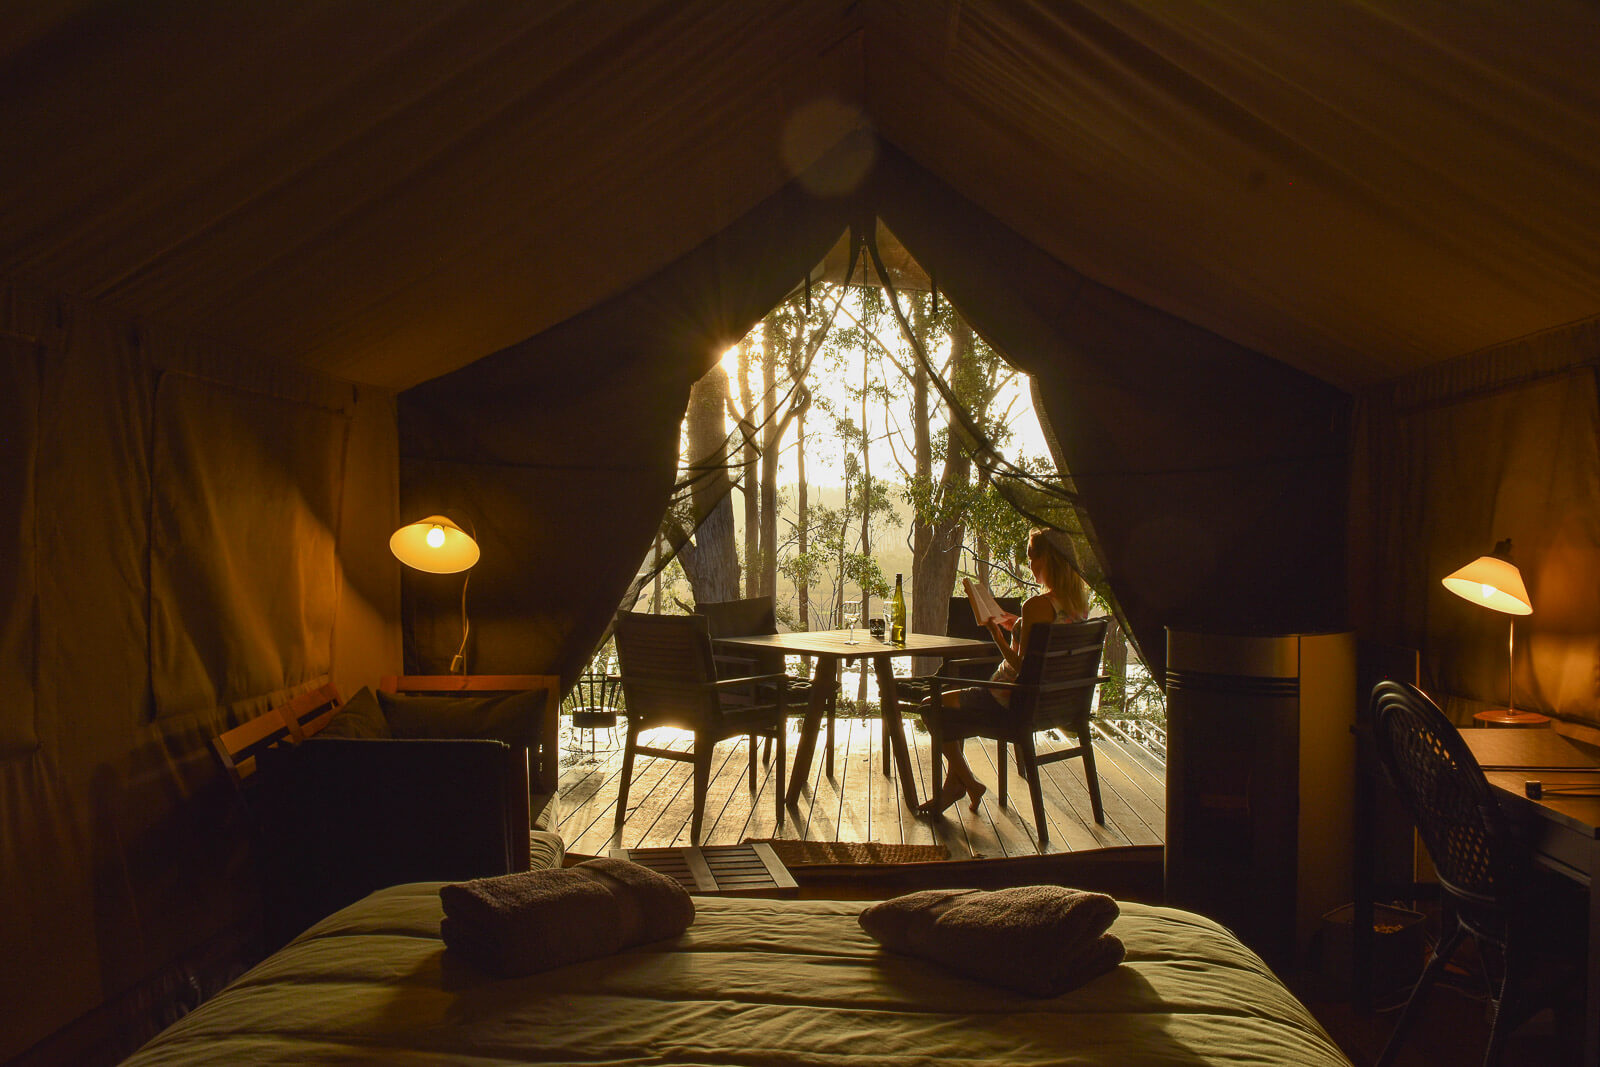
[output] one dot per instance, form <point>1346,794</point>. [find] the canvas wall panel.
<point>19,438</point>
<point>1522,463</point>
<point>244,529</point>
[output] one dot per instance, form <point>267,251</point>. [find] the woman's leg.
<point>959,779</point>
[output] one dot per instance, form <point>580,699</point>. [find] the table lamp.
<point>1495,582</point>
<point>439,546</point>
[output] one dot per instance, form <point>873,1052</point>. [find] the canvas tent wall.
<point>285,199</point>
<point>1216,478</point>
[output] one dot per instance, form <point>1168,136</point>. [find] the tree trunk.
<point>711,563</point>
<point>804,592</point>
<point>844,533</point>
<point>771,433</point>
<point>866,508</point>
<point>936,577</point>
<point>981,537</point>
<point>752,513</point>
<point>1115,665</point>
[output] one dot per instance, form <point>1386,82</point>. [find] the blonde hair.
<point>1057,561</point>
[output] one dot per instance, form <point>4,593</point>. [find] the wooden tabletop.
<point>833,643</point>
<point>1497,750</point>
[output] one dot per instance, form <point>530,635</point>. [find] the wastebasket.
<point>1397,945</point>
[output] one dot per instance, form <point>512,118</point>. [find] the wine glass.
<point>852,616</point>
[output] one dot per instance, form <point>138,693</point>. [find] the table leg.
<point>823,682</point>
<point>889,699</point>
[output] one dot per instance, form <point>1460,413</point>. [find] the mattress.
<point>751,982</point>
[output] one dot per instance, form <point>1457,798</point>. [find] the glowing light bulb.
<point>1488,590</point>
<point>436,538</point>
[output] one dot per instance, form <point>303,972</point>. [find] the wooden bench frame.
<point>290,723</point>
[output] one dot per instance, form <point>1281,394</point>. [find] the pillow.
<point>513,718</point>
<point>359,717</point>
<point>546,850</point>
<point>1041,940</point>
<point>517,924</point>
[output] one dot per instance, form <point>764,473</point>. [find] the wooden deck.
<point>859,803</point>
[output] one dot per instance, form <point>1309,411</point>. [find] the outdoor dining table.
<point>831,646</point>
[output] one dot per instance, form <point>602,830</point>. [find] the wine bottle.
<point>897,621</point>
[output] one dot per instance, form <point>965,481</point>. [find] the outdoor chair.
<point>669,678</point>
<point>594,706</point>
<point>959,623</point>
<point>753,617</point>
<point>1484,871</point>
<point>1054,690</point>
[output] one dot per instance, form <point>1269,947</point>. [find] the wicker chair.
<point>1484,871</point>
<point>669,679</point>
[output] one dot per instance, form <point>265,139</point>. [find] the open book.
<point>983,603</point>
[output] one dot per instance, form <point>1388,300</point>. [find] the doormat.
<point>820,853</point>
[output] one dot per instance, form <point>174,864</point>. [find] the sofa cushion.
<point>359,717</point>
<point>513,718</point>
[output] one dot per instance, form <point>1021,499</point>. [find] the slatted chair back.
<point>745,618</point>
<point>960,623</point>
<point>1061,670</point>
<point>239,747</point>
<point>666,666</point>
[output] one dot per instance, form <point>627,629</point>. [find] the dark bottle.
<point>897,617</point>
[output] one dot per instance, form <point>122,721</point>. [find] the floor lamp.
<point>1495,582</point>
<point>437,545</point>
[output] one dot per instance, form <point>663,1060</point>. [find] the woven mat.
<point>818,853</point>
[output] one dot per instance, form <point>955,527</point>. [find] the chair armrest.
<point>749,679</point>
<point>993,657</point>
<point>1055,687</point>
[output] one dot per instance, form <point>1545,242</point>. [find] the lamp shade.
<point>434,544</point>
<point>1492,581</point>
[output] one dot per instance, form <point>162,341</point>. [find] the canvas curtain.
<point>19,445</point>
<point>562,451</point>
<point>244,530</point>
<point>120,840</point>
<point>1501,444</point>
<point>1216,478</point>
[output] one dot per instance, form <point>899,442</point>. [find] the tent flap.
<point>19,445</point>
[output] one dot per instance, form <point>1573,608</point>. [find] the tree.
<point>710,560</point>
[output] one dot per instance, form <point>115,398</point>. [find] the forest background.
<point>819,458</point>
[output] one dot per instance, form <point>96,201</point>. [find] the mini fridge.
<point>1260,782</point>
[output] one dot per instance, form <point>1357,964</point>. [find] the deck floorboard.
<point>859,803</point>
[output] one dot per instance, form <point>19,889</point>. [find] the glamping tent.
<point>1309,292</point>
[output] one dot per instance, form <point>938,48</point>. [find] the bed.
<point>752,981</point>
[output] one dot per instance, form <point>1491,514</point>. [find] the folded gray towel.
<point>536,920</point>
<point>1042,940</point>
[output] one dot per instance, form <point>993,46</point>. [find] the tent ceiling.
<point>389,191</point>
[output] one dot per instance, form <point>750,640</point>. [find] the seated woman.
<point>1065,599</point>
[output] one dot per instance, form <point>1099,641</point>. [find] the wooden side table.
<point>751,869</point>
<point>1505,717</point>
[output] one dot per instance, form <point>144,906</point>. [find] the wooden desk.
<point>1563,828</point>
<point>829,647</point>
